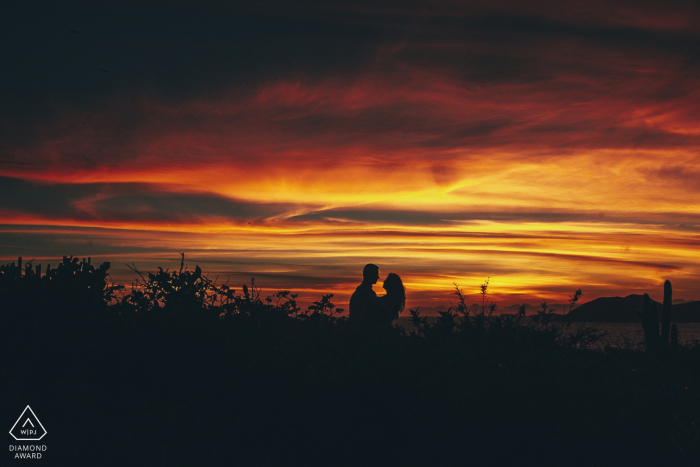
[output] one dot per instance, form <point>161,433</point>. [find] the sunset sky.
<point>547,147</point>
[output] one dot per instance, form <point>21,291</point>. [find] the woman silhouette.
<point>388,307</point>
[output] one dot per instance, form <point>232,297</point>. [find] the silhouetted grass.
<point>181,371</point>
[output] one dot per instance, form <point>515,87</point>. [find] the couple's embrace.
<point>366,307</point>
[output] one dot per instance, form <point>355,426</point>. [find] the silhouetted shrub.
<point>73,289</point>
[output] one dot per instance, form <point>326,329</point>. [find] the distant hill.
<point>624,310</point>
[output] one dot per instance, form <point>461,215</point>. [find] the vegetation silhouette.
<point>667,340</point>
<point>180,370</point>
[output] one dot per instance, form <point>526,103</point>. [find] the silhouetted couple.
<point>367,308</point>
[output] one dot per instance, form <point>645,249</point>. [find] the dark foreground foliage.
<point>180,371</point>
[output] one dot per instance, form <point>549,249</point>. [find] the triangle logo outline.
<point>21,417</point>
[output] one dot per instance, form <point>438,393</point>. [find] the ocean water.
<point>622,335</point>
<point>631,335</point>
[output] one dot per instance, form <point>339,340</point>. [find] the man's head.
<point>370,273</point>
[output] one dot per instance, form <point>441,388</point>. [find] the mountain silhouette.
<point>624,310</point>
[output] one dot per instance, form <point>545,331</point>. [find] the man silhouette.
<point>364,295</point>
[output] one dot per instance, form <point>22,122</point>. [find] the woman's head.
<point>395,289</point>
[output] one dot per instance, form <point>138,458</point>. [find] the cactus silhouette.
<point>674,337</point>
<point>650,323</point>
<point>666,315</point>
